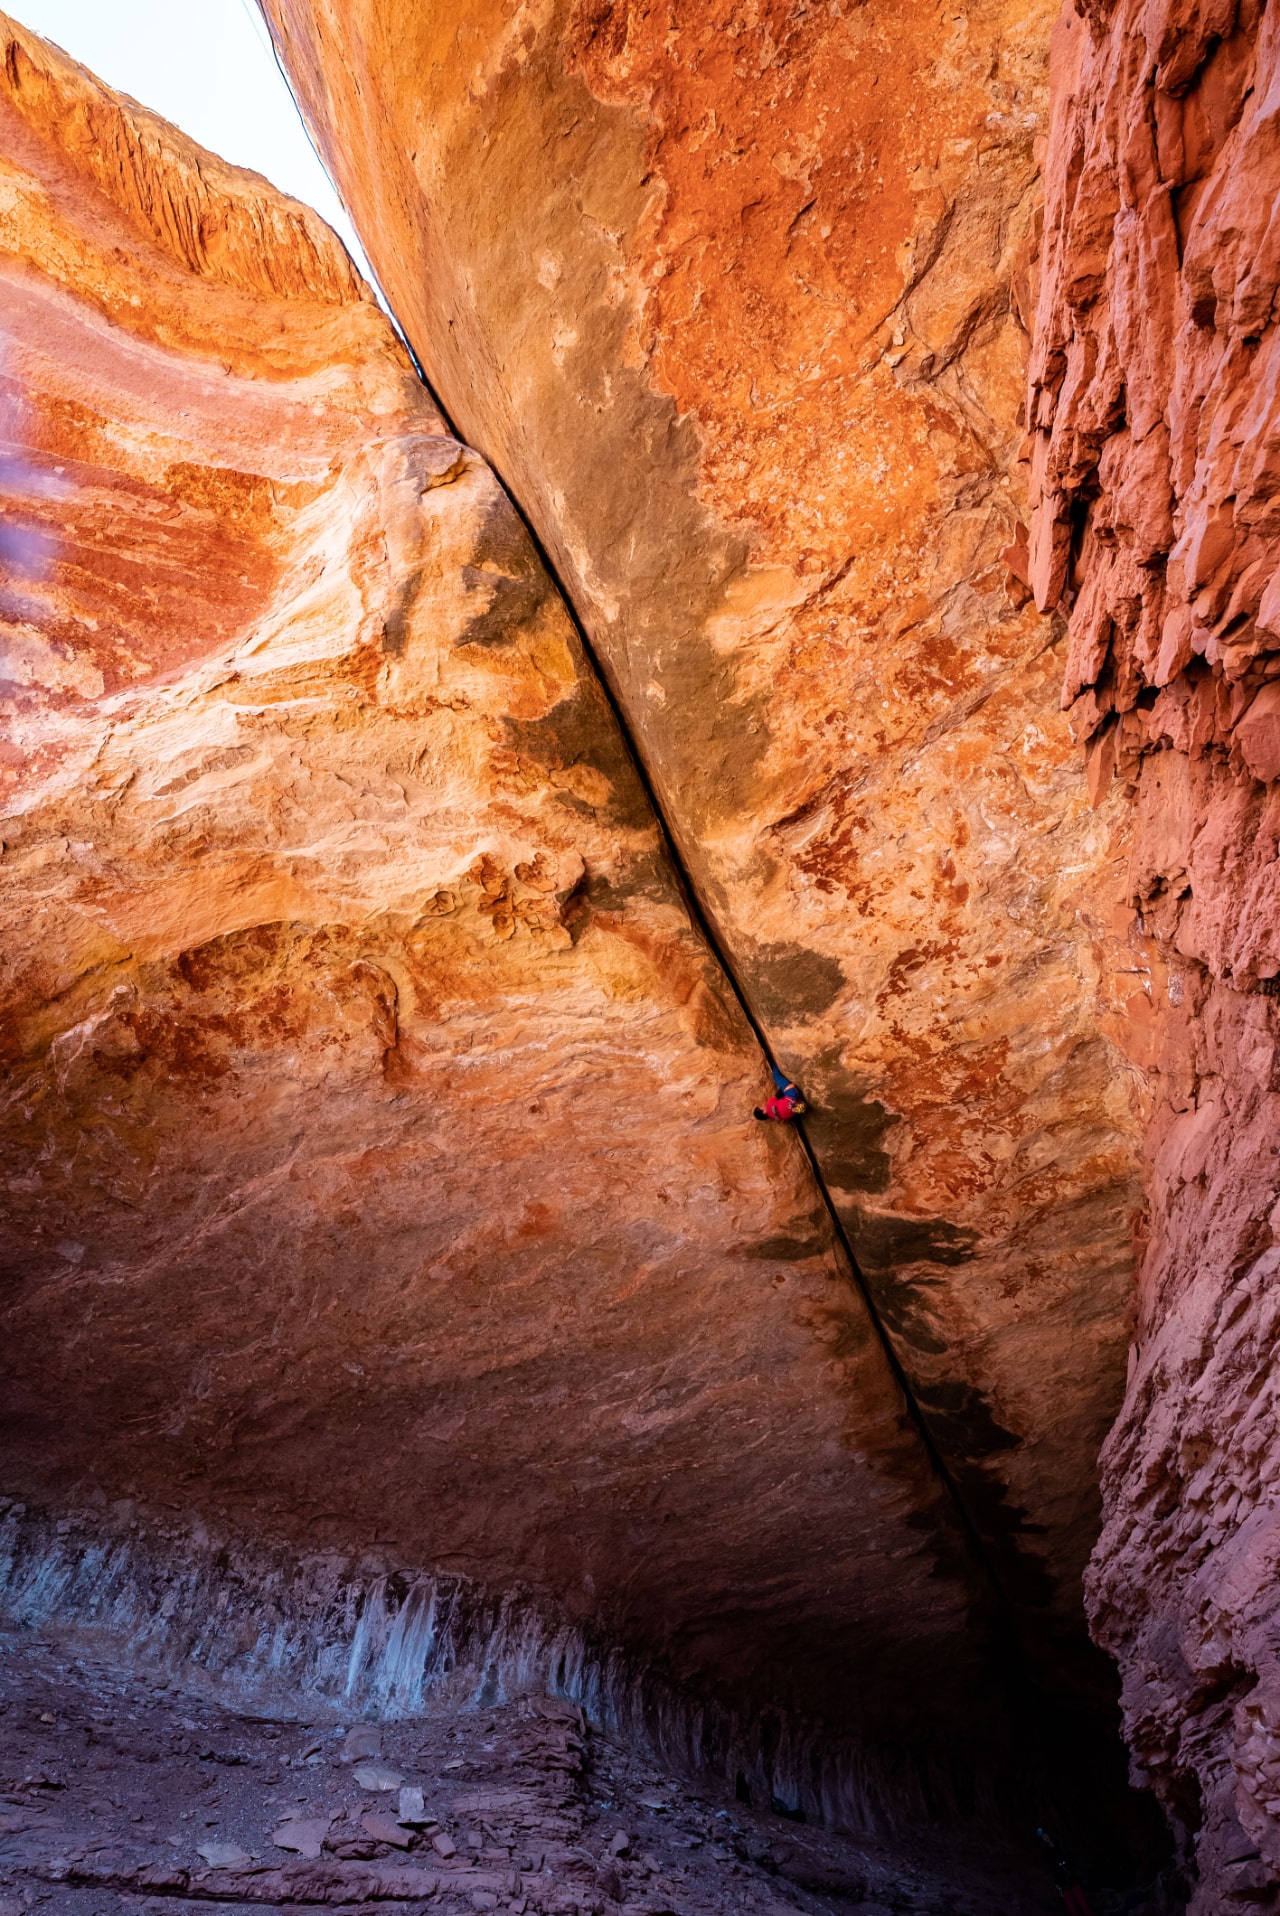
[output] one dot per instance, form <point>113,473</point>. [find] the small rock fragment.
<point>376,1776</point>
<point>384,1830</point>
<point>412,1808</point>
<point>222,1855</point>
<point>351,1848</point>
<point>305,1835</point>
<point>362,1739</point>
<point>620,1844</point>
<point>443,1844</point>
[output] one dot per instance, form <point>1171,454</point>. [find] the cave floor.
<point>112,1784</point>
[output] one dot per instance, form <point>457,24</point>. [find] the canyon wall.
<point>383,1190</point>
<point>1155,461</point>
<point>735,298</point>
<point>380,1170</point>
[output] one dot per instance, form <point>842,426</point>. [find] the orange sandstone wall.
<point>736,299</point>
<point>380,1174</point>
<point>1155,460</point>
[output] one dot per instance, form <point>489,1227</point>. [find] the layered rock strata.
<point>381,1173</point>
<point>124,1791</point>
<point>200,1605</point>
<point>735,300</point>
<point>1155,456</point>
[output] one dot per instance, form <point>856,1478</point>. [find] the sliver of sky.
<point>206,65</point>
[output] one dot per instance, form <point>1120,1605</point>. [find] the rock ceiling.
<point>384,1173</point>
<point>736,303</point>
<point>413,854</point>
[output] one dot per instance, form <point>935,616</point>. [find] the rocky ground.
<point>120,1793</point>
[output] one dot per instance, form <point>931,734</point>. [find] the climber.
<point>1065,1876</point>
<point>786,1103</point>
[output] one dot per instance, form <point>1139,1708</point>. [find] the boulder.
<point>380,1166</point>
<point>736,303</point>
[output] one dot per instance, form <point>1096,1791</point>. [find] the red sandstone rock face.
<point>734,299</point>
<point>380,1167</point>
<point>1154,459</point>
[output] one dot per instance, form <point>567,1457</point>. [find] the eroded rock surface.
<point>380,1170</point>
<point>1154,459</point>
<point>120,1791</point>
<point>735,300</point>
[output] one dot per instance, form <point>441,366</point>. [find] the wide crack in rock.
<point>1152,398</point>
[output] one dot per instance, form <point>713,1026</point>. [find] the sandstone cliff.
<point>381,1173</point>
<point>385,1195</point>
<point>1154,462</point>
<point>735,300</point>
